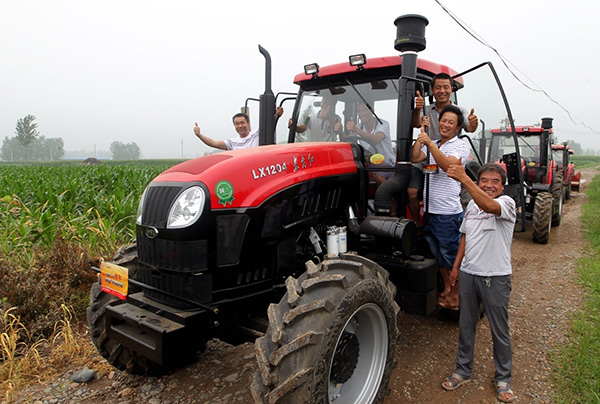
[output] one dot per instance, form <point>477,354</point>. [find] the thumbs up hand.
<point>351,126</point>
<point>196,129</point>
<point>473,121</point>
<point>419,101</point>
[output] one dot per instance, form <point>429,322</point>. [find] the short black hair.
<point>241,115</point>
<point>455,110</point>
<point>442,76</point>
<point>492,167</point>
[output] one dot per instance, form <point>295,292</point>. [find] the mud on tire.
<point>332,336</point>
<point>542,217</point>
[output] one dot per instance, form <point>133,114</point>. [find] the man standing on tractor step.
<point>246,139</point>
<point>484,261</point>
<point>444,211</point>
<point>441,87</point>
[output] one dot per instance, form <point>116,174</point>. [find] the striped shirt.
<point>444,192</point>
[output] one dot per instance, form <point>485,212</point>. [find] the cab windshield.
<point>318,124</point>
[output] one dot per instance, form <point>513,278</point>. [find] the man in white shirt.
<point>246,138</point>
<point>483,269</point>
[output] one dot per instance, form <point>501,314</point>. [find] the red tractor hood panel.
<point>245,178</point>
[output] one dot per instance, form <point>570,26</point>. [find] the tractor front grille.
<point>157,203</point>
<point>173,255</point>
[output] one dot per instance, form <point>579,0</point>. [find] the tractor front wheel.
<point>332,336</point>
<point>558,193</point>
<point>542,217</point>
<point>114,352</point>
<point>568,189</point>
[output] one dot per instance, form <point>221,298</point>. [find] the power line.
<point>506,63</point>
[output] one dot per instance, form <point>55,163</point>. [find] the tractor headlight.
<point>140,209</point>
<point>187,208</point>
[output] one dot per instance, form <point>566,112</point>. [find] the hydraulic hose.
<point>394,186</point>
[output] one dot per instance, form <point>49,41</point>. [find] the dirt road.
<point>544,293</point>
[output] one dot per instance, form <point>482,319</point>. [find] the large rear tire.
<point>114,352</point>
<point>542,217</point>
<point>558,194</point>
<point>331,338</point>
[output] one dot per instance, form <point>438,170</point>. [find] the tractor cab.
<point>332,100</point>
<point>533,181</point>
<point>563,165</point>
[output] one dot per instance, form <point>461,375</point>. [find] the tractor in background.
<point>533,180</point>
<point>562,156</point>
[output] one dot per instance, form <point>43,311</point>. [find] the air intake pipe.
<point>410,39</point>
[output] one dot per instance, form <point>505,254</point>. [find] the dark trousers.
<point>493,292</point>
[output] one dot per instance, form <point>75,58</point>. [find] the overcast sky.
<point>93,72</point>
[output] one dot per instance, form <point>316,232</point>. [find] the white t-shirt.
<point>488,239</point>
<point>242,142</point>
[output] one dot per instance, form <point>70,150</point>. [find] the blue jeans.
<point>443,235</point>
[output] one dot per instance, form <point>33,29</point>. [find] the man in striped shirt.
<point>444,211</point>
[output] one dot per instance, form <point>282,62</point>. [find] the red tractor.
<point>295,230</point>
<point>533,180</point>
<point>562,156</point>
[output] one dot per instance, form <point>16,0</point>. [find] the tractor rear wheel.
<point>558,193</point>
<point>332,336</point>
<point>542,217</point>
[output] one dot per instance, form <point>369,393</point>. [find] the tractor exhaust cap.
<point>410,33</point>
<point>547,123</point>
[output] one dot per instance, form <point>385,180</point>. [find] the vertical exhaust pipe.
<point>410,39</point>
<point>545,144</point>
<point>266,129</point>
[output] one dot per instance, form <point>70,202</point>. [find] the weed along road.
<point>544,293</point>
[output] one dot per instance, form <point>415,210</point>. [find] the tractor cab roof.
<point>520,130</point>
<point>373,68</point>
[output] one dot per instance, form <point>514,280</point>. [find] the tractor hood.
<point>245,178</point>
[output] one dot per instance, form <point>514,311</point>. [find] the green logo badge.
<point>224,191</point>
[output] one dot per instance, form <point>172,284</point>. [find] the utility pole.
<point>182,149</point>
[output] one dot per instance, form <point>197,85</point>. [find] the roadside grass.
<point>26,359</point>
<point>577,361</point>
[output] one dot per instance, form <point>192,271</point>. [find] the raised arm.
<point>217,144</point>
<point>481,198</point>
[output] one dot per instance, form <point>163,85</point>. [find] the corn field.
<point>92,206</point>
<point>55,219</point>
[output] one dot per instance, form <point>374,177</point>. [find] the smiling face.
<point>448,126</point>
<point>442,88</point>
<point>325,108</point>
<point>363,112</point>
<point>490,182</point>
<point>241,126</point>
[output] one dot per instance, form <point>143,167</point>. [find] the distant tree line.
<point>125,151</point>
<point>29,145</point>
<point>40,149</point>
